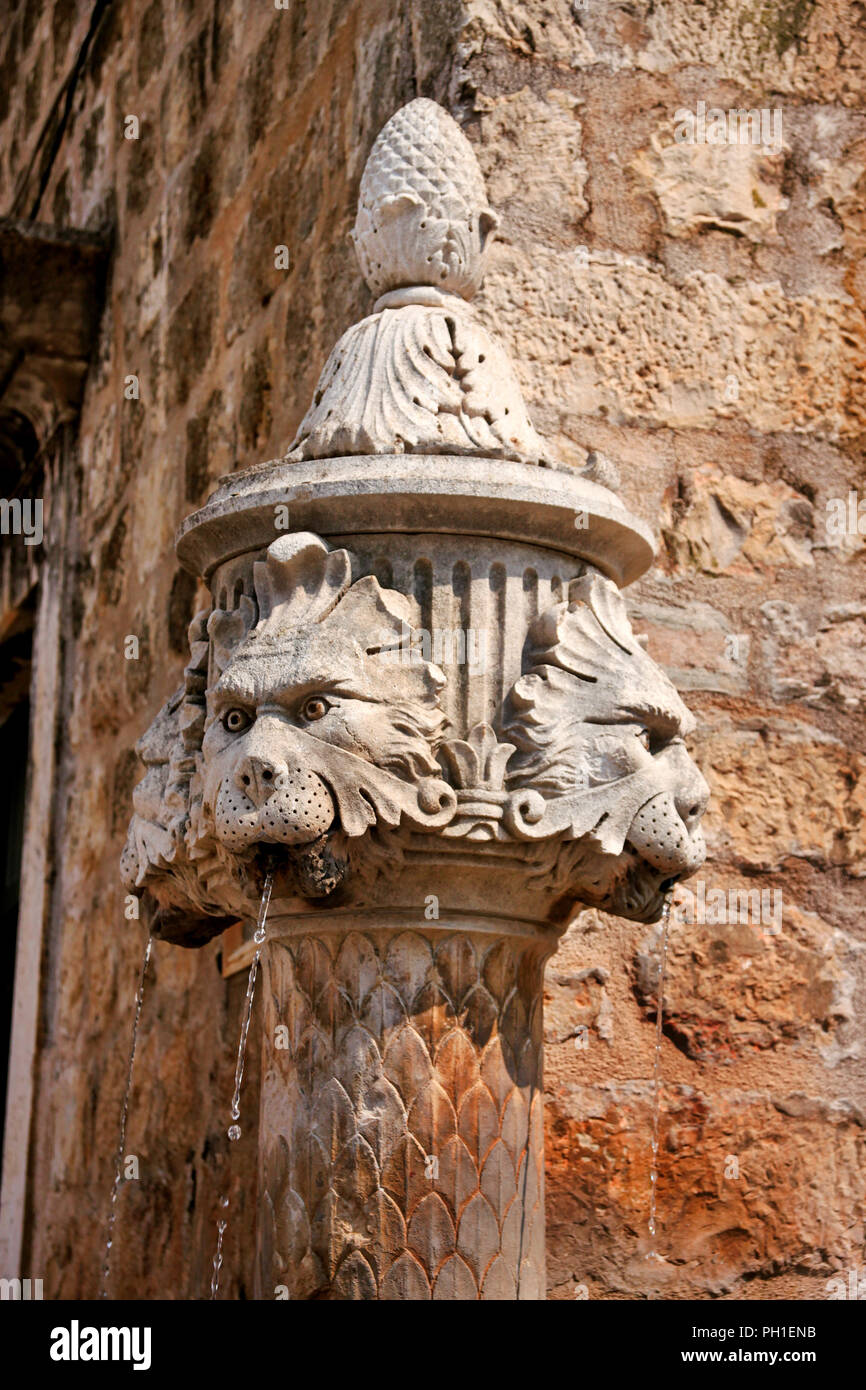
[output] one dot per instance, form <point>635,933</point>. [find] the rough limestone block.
<point>728,524</point>
<point>752,974</point>
<point>782,794</point>
<point>796,1200</point>
<point>735,188</point>
<point>628,344</point>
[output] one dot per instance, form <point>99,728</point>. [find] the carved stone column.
<point>417,698</point>
<point>402,1128</point>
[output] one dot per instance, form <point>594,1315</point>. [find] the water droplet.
<point>234,1131</point>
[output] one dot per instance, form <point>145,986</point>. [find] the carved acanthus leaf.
<point>418,378</point>
<point>228,630</point>
<point>606,812</point>
<point>586,668</point>
<point>300,581</point>
<point>367,795</point>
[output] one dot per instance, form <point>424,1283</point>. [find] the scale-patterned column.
<point>401,1116</point>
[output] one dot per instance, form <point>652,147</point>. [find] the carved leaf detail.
<point>366,794</point>
<point>228,630</point>
<point>419,379</point>
<point>591,639</point>
<point>300,581</point>
<point>479,760</point>
<point>406,1178</point>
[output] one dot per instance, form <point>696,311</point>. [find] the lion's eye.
<point>645,739</point>
<point>315,708</point>
<point>234,721</point>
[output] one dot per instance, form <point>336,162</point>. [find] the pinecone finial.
<point>423,215</point>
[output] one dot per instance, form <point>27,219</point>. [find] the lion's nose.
<point>257,778</point>
<point>691,801</point>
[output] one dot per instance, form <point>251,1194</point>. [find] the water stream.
<point>652,1254</point>
<point>234,1130</point>
<point>124,1116</point>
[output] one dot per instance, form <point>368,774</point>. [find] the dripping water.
<point>234,1130</point>
<point>652,1224</point>
<point>218,1255</point>
<point>124,1116</point>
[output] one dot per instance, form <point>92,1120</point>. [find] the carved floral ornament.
<point>310,730</point>
<point>420,373</point>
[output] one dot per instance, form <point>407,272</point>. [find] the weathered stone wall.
<point>695,312</point>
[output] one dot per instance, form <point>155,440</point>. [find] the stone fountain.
<point>417,701</point>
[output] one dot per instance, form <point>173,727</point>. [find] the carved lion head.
<point>308,717</point>
<point>311,727</point>
<point>595,715</point>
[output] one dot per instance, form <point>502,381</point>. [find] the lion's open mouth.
<point>640,893</point>
<point>315,870</point>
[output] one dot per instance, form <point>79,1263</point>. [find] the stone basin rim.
<point>488,497</point>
